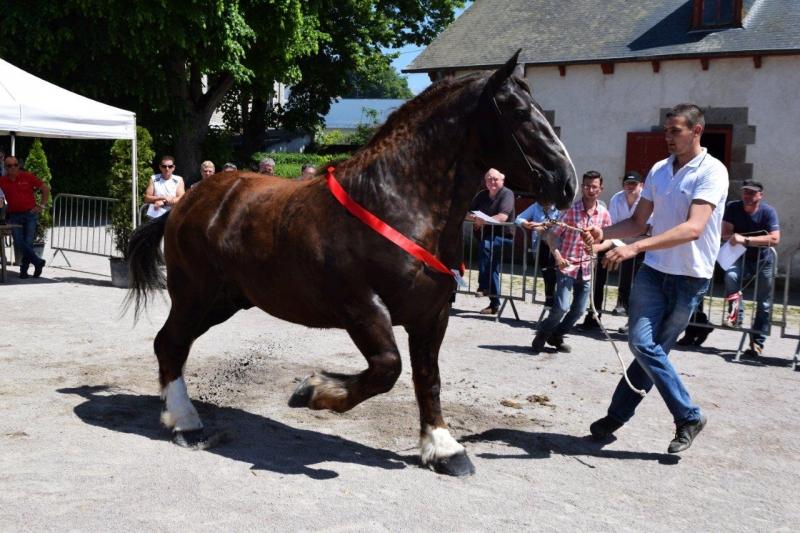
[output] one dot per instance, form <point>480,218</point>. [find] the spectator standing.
<point>266,166</point>
<point>535,218</point>
<point>18,187</point>
<point>574,264</point>
<point>308,172</point>
<point>751,222</point>
<point>164,189</point>
<point>228,167</point>
<point>207,169</point>
<point>686,194</point>
<point>2,162</point>
<point>497,202</point>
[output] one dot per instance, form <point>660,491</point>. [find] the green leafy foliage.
<point>289,165</point>
<point>173,63</point>
<point>384,82</point>
<point>36,164</point>
<point>120,183</point>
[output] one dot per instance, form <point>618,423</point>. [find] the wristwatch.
<point>747,241</point>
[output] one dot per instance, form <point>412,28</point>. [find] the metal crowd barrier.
<point>784,333</point>
<point>513,262</point>
<point>82,224</point>
<point>714,304</point>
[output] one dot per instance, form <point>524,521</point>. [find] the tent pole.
<point>135,179</point>
<point>13,144</point>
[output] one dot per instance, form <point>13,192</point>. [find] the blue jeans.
<point>563,315</point>
<point>491,251</point>
<point>23,237</point>
<point>659,311</point>
<point>733,282</point>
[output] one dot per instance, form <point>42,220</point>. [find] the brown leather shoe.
<point>490,310</point>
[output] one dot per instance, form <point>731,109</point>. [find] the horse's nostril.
<point>569,189</point>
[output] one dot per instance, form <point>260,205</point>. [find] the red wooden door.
<point>645,149</point>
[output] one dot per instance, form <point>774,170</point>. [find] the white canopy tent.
<point>32,107</point>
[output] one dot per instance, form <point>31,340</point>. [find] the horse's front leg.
<point>438,449</point>
<point>370,326</point>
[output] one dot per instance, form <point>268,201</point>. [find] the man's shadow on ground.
<point>245,437</point>
<point>746,360</point>
<point>543,445</point>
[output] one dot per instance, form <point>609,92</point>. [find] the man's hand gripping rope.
<point>589,239</point>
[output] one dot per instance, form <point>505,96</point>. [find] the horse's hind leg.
<point>172,344</point>
<point>370,327</point>
<point>438,448</point>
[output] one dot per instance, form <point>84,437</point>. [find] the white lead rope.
<point>597,315</point>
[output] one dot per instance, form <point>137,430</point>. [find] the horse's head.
<point>517,139</point>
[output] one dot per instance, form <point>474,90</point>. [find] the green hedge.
<point>289,165</point>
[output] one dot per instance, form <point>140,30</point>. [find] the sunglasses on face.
<point>12,165</point>
<point>167,166</point>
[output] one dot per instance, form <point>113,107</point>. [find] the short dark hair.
<point>593,175</point>
<point>692,114</point>
<point>165,158</point>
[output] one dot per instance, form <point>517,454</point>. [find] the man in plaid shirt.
<point>573,263</point>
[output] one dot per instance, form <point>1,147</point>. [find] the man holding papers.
<point>750,222</point>
<point>493,205</point>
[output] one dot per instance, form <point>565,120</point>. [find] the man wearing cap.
<point>750,222</point>
<point>18,187</point>
<point>622,206</point>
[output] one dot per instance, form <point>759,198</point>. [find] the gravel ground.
<point>81,446</point>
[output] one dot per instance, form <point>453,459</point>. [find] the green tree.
<point>174,62</point>
<point>384,83</point>
<point>120,183</point>
<point>36,164</point>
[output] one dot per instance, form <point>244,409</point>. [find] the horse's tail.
<point>145,262</point>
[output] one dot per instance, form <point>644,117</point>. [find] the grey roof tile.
<point>579,31</point>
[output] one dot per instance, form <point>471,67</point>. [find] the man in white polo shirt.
<point>686,195</point>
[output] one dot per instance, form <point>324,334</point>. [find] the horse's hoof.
<point>302,394</point>
<point>457,465</point>
<point>195,438</point>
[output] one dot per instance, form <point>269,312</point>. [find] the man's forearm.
<point>680,234</point>
<point>622,229</point>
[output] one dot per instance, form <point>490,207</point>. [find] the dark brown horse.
<point>239,240</point>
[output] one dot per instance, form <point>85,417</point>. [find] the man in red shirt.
<point>18,188</point>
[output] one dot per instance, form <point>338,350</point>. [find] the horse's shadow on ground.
<point>543,445</point>
<point>507,318</point>
<point>245,437</point>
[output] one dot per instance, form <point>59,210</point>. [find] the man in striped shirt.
<point>573,263</point>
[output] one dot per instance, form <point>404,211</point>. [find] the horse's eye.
<point>519,113</point>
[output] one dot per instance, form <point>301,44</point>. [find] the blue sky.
<point>417,82</point>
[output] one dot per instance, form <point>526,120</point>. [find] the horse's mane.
<point>426,104</point>
<point>416,127</point>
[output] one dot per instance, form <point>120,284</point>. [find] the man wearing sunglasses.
<point>23,210</point>
<point>164,189</point>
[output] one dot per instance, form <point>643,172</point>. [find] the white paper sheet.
<point>486,218</point>
<point>729,254</point>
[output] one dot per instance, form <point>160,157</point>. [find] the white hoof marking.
<point>437,444</point>
<point>180,414</point>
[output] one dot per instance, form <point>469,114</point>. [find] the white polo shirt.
<point>703,178</point>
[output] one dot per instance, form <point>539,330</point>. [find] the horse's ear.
<point>503,73</point>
